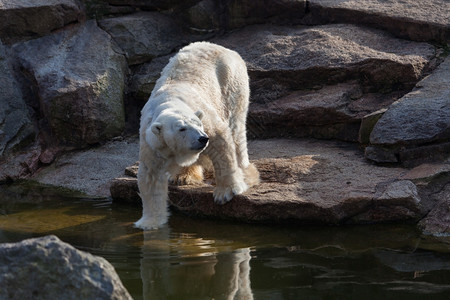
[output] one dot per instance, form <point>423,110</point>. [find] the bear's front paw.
<point>224,194</point>
<point>149,223</point>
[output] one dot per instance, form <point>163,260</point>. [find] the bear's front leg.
<point>229,177</point>
<point>153,189</point>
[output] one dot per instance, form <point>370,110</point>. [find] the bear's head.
<point>179,135</point>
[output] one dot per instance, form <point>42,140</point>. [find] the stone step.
<point>331,112</point>
<point>418,20</point>
<point>283,59</point>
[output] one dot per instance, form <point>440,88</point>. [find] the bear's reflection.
<point>192,268</point>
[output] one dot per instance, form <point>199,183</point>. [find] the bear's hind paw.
<point>223,195</point>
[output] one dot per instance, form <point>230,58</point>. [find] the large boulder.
<point>414,123</point>
<point>16,126</point>
<point>419,20</point>
<point>79,75</point>
<point>145,35</point>
<point>27,19</point>
<point>47,268</point>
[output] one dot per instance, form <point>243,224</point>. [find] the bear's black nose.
<point>203,139</point>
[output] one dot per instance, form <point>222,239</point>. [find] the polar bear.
<point>197,110</point>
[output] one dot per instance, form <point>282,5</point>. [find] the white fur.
<point>205,90</point>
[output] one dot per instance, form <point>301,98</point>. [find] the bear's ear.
<point>199,114</point>
<point>156,128</point>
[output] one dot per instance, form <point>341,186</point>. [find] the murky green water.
<point>200,259</point>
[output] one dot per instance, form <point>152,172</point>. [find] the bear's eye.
<point>182,129</point>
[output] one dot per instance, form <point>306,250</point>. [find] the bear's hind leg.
<point>229,177</point>
<point>251,174</point>
<point>192,175</point>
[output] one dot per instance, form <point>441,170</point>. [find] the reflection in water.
<point>201,259</point>
<point>192,268</point>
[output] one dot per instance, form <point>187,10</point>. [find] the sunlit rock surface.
<point>47,268</point>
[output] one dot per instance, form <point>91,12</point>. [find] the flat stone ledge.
<point>303,181</point>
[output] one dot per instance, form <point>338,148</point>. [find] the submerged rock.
<point>47,268</point>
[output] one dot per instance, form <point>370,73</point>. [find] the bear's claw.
<point>223,195</point>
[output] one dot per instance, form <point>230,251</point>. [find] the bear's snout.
<point>202,142</point>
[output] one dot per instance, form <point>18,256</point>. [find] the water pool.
<point>205,259</point>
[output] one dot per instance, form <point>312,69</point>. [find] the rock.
<point>144,76</point>
<point>411,157</point>
<point>419,20</point>
<point>287,58</point>
<point>80,91</point>
<point>18,153</point>
<point>333,111</point>
<point>411,262</point>
<point>427,172</point>
<point>16,125</point>
<point>91,171</point>
<point>421,117</point>
<point>404,203</point>
<point>304,181</point>
<point>154,4</point>
<point>125,190</point>
<point>367,124</point>
<point>145,35</point>
<point>47,268</point>
<point>433,181</point>
<point>344,67</point>
<point>381,155</point>
<point>20,164</point>
<point>437,222</point>
<point>99,9</point>
<point>204,16</point>
<point>241,13</point>
<point>27,19</point>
